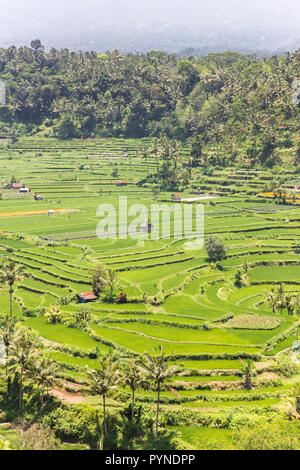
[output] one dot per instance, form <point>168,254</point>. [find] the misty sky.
<point>20,20</point>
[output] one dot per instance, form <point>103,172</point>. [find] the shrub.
<point>74,424</point>
<point>215,249</point>
<point>37,437</point>
<point>281,435</point>
<point>285,365</point>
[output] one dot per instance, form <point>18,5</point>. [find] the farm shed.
<point>86,297</point>
<point>17,186</point>
<point>121,183</point>
<point>25,190</point>
<point>198,191</point>
<point>123,298</point>
<point>176,197</point>
<point>146,227</point>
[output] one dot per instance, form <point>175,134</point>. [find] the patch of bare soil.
<point>268,375</point>
<point>67,397</point>
<point>72,386</point>
<point>264,365</point>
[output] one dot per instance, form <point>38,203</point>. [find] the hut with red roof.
<point>86,297</point>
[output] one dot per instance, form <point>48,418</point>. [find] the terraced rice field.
<point>175,297</point>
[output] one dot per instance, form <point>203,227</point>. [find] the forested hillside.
<point>240,106</point>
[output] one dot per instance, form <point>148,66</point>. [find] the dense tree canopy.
<point>230,100</point>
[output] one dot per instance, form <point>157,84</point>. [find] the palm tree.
<point>246,266</point>
<point>272,299</point>
<point>6,333</point>
<point>103,277</point>
<point>248,372</point>
<point>98,279</point>
<point>13,108</point>
<point>44,372</point>
<point>155,150</point>
<point>53,315</point>
<point>23,352</point>
<point>105,379</point>
<point>134,378</point>
<point>10,273</point>
<point>111,282</point>
<point>290,303</point>
<point>281,298</point>
<point>157,369</point>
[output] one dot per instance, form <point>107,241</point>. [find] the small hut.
<point>17,186</point>
<point>86,297</point>
<point>123,298</point>
<point>146,227</point>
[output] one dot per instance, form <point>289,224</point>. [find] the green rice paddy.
<point>172,292</point>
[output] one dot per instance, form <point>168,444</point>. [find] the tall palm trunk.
<point>132,411</point>
<point>7,377</point>
<point>21,392</point>
<point>42,397</point>
<point>248,383</point>
<point>11,291</point>
<point>6,358</point>
<point>157,410</point>
<point>104,415</point>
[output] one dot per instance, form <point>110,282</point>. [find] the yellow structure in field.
<point>39,212</point>
<point>294,198</point>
